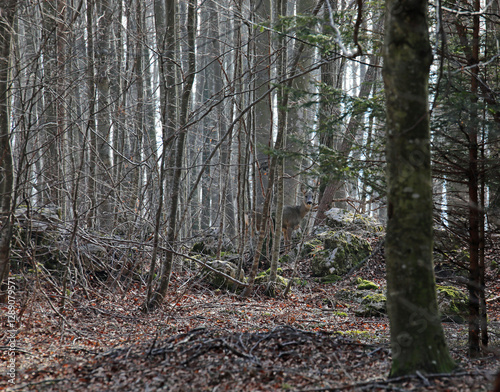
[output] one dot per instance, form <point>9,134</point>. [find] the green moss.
<point>375,297</point>
<point>372,305</point>
<point>299,282</point>
<point>453,303</point>
<point>340,252</point>
<point>268,271</point>
<point>366,284</point>
<point>450,291</point>
<point>263,278</point>
<point>310,248</point>
<point>354,333</point>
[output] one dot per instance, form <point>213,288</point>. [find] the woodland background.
<point>133,129</point>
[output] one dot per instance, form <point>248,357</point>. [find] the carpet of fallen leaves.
<point>212,340</point>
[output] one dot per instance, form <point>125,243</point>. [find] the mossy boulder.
<point>208,243</point>
<point>367,303</point>
<point>363,284</point>
<point>339,218</point>
<point>226,267</point>
<point>312,247</point>
<point>453,303</point>
<point>338,253</point>
<point>372,305</point>
<point>263,277</point>
<point>43,229</point>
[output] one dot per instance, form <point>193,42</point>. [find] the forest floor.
<point>211,340</point>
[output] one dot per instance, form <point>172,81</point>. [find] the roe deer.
<point>293,215</point>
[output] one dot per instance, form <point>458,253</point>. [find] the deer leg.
<point>285,236</point>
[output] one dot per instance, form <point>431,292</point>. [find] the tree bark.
<point>103,65</point>
<point>172,234</point>
<point>7,11</point>
<point>417,337</point>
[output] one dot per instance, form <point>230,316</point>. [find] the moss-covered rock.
<point>373,304</point>
<point>370,302</point>
<point>340,251</point>
<point>363,284</point>
<point>226,267</point>
<point>208,243</point>
<point>338,218</point>
<point>312,247</point>
<point>453,303</point>
<point>281,282</point>
<point>367,303</point>
<point>263,277</point>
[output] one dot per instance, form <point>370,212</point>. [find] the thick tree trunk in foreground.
<point>417,337</point>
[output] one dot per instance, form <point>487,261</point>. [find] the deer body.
<point>293,215</point>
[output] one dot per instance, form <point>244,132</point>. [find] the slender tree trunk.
<point>279,145</point>
<point>91,97</point>
<point>262,113</point>
<point>172,234</point>
<point>417,337</point>
<point>164,15</point>
<point>7,11</point>
<point>482,278</point>
<point>103,77</point>
<point>474,284</point>
<point>299,117</point>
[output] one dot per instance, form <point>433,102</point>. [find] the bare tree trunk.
<point>417,337</point>
<point>164,15</point>
<point>91,123</point>
<point>262,120</point>
<point>277,160</point>
<point>474,284</point>
<point>172,234</point>
<point>299,116</point>
<point>470,129</point>
<point>103,77</point>
<point>7,11</point>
